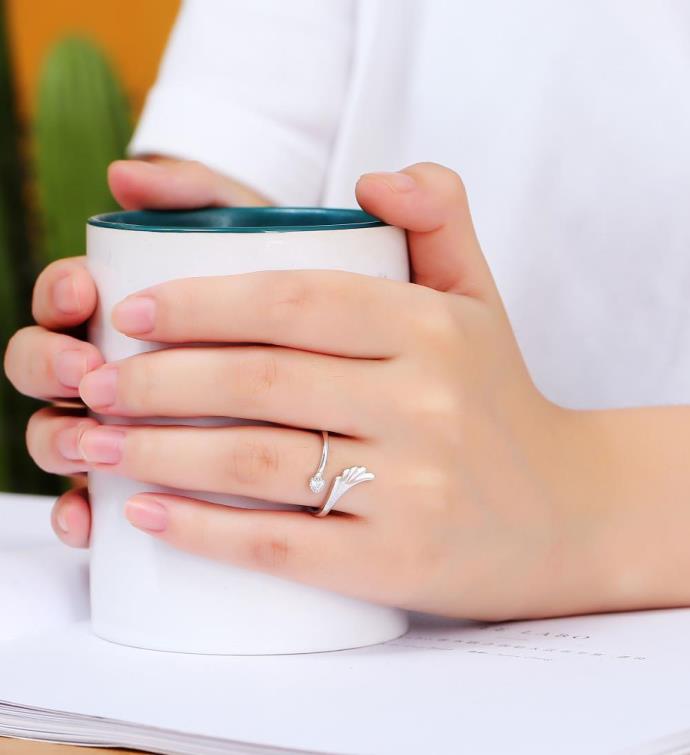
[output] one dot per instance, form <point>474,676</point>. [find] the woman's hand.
<point>45,363</point>
<point>423,383</point>
<point>489,501</point>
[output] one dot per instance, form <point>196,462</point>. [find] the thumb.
<point>429,201</point>
<point>162,183</point>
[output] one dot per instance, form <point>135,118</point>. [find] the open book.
<point>592,684</point>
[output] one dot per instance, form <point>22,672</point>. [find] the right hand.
<point>44,362</point>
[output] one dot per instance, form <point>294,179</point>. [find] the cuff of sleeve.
<point>243,145</point>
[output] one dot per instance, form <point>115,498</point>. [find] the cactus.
<point>17,271</point>
<point>82,124</point>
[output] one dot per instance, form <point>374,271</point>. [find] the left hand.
<point>421,382</point>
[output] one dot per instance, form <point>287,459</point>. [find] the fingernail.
<point>70,366</point>
<point>102,445</point>
<point>146,514</point>
<point>65,296</point>
<point>61,519</point>
<point>135,315</point>
<point>398,182</point>
<point>67,441</point>
<point>98,389</point>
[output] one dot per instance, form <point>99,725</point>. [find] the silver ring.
<point>347,479</point>
<point>316,481</point>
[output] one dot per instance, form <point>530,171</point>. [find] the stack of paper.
<point>599,684</point>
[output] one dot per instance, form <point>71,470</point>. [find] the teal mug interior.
<point>237,220</point>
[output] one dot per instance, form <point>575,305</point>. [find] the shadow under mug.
<point>144,593</point>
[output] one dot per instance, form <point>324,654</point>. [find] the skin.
<point>490,502</point>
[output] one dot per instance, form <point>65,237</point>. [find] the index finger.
<point>328,311</point>
<point>64,294</point>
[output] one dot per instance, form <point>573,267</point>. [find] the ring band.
<point>316,481</point>
<point>347,479</point>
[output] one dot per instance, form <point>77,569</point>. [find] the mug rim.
<point>238,220</point>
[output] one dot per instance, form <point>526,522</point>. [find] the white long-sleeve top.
<point>568,121</point>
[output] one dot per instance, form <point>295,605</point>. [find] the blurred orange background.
<point>132,32</point>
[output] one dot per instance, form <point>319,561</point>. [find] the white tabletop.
<point>25,520</point>
<point>42,582</point>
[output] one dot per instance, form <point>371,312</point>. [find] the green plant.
<point>16,275</point>
<point>82,124</point>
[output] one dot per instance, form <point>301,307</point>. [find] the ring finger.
<point>265,463</point>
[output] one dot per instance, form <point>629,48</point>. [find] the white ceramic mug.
<point>143,592</point>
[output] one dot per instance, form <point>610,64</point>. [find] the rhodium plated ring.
<point>347,479</point>
<point>317,482</point>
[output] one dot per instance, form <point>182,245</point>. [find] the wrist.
<point>578,575</point>
<point>624,487</point>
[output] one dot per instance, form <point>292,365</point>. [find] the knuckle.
<point>196,168</point>
<point>199,533</point>
<point>47,278</point>
<point>38,368</point>
<point>455,184</point>
<point>138,384</point>
<point>93,356</point>
<point>39,436</point>
<point>443,404</point>
<point>27,366</point>
<point>446,179</point>
<point>433,492</point>
<point>436,322</point>
<point>191,170</point>
<point>270,553</point>
<point>56,269</point>
<point>177,306</point>
<point>438,407</point>
<point>144,452</point>
<point>252,461</point>
<point>35,372</point>
<point>425,482</point>
<point>291,296</point>
<point>258,374</point>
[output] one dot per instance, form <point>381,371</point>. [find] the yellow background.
<point>132,32</point>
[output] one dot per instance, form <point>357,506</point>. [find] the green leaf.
<point>82,124</point>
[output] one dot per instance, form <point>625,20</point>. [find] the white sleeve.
<point>255,90</point>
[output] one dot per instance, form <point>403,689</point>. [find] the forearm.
<point>635,482</point>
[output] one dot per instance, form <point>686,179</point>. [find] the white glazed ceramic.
<point>143,592</point>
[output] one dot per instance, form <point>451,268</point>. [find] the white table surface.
<point>44,581</point>
<point>25,520</point>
